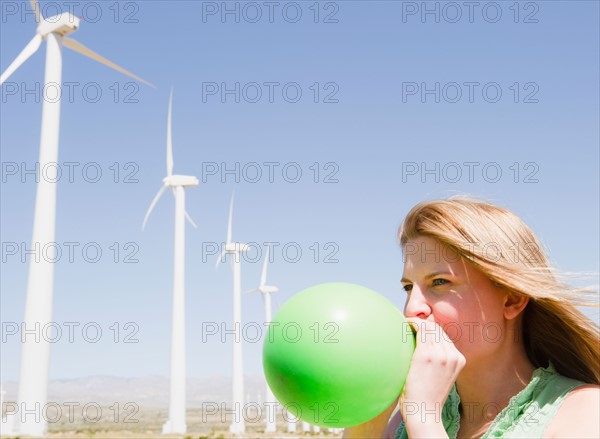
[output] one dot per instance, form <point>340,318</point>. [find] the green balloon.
<point>337,354</point>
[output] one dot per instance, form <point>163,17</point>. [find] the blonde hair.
<point>554,329</point>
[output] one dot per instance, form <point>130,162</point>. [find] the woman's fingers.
<point>434,345</point>
<point>435,365</point>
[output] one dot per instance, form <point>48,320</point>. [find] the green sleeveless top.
<point>528,413</point>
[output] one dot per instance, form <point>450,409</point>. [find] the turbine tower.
<point>266,291</point>
<point>33,375</point>
<point>236,248</point>
<point>176,422</point>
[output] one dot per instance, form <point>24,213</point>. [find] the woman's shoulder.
<point>577,415</point>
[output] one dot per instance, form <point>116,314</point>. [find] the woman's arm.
<point>373,429</point>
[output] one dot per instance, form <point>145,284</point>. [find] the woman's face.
<point>445,289</point>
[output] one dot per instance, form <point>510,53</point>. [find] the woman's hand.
<point>434,368</point>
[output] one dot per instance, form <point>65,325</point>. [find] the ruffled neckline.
<point>505,420</point>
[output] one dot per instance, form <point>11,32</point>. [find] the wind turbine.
<point>33,378</point>
<point>237,425</point>
<point>176,422</point>
<point>266,291</point>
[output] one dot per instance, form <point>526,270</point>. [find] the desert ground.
<point>147,423</point>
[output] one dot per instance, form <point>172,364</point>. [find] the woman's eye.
<point>438,282</point>
<point>407,288</point>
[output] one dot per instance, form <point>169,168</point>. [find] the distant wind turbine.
<point>266,291</point>
<point>33,378</point>
<point>235,248</point>
<point>5,424</point>
<point>176,422</point>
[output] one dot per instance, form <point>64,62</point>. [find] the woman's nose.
<point>416,304</point>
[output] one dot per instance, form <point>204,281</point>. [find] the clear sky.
<point>517,94</point>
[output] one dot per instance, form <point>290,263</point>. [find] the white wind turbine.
<point>266,291</point>
<point>235,248</point>
<point>5,427</point>
<point>2,393</point>
<point>33,378</point>
<point>176,422</point>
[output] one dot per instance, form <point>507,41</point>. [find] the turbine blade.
<point>154,201</point>
<point>263,276</point>
<point>36,9</point>
<point>229,226</point>
<point>78,47</point>
<point>29,50</point>
<point>187,215</point>
<point>189,218</point>
<point>169,138</point>
<point>219,259</point>
<point>250,291</point>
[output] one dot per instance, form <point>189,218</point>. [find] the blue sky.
<point>363,134</point>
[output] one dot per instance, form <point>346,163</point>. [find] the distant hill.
<point>149,391</point>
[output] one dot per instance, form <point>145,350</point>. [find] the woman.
<point>502,350</point>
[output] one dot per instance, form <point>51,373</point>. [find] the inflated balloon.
<point>337,354</point>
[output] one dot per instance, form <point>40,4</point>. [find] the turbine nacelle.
<point>180,180</point>
<point>268,289</point>
<point>263,287</point>
<point>62,24</point>
<point>230,246</point>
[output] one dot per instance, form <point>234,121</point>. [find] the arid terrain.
<point>147,423</point>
